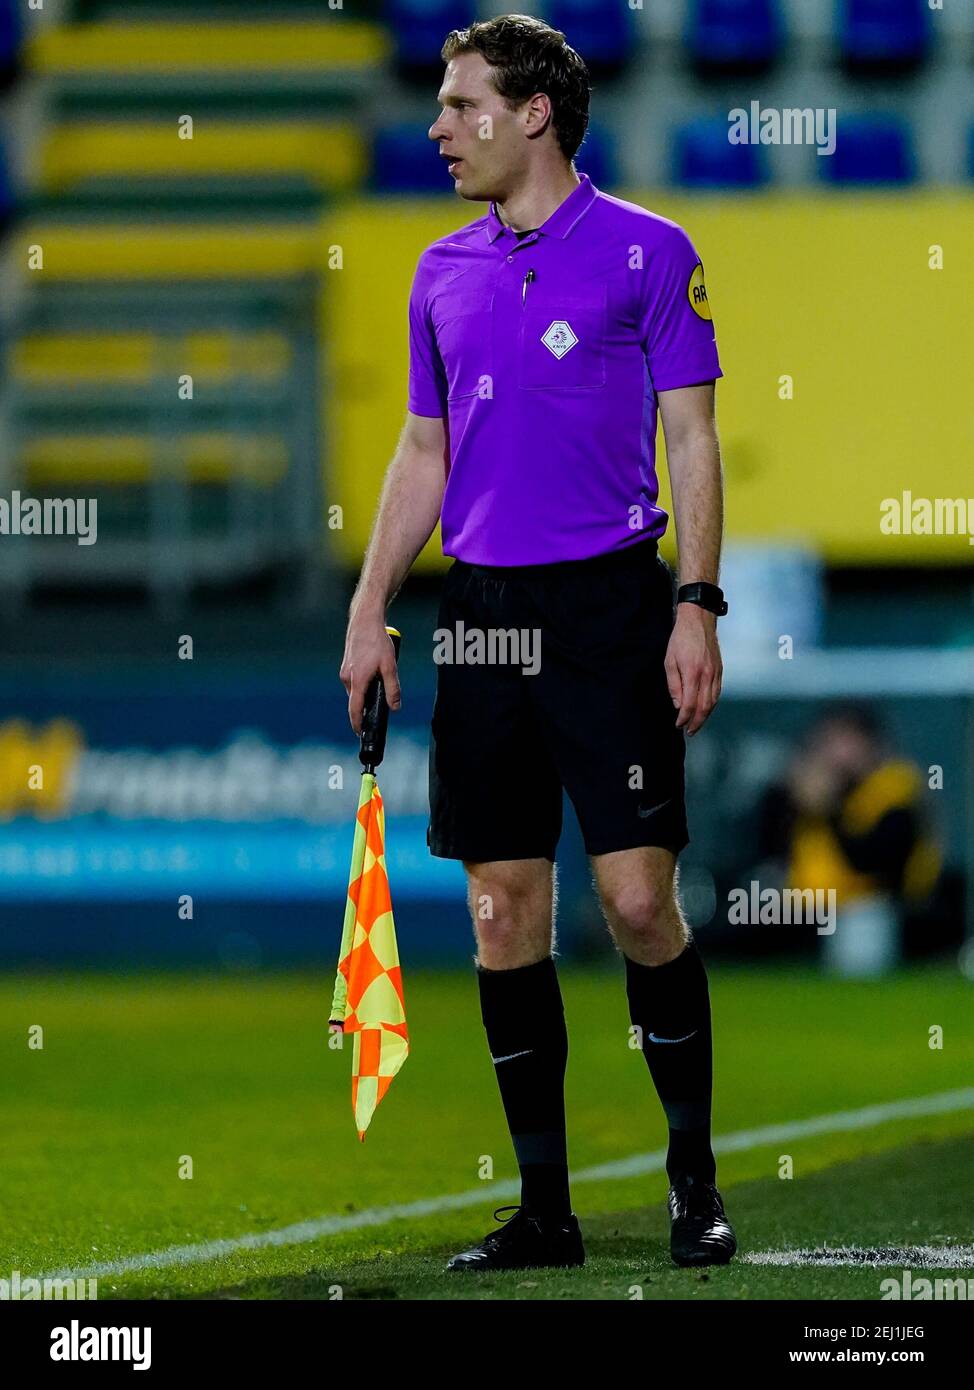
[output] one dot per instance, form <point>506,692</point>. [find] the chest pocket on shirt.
<point>464,336</point>
<point>561,343</point>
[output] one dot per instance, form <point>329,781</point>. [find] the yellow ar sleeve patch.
<point>697,294</point>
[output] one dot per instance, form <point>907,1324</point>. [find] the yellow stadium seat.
<point>77,49</point>
<point>112,359</point>
<point>131,459</point>
<point>331,155</point>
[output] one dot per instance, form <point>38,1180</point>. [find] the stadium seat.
<point>405,160</point>
<point>884,35</point>
<point>703,157</point>
<point>597,158</point>
<point>870,150</point>
<point>602,33</point>
<point>247,55</point>
<point>11,32</point>
<point>8,196</point>
<point>215,456</point>
<point>734,36</point>
<point>137,163</point>
<point>106,361</point>
<point>419,28</point>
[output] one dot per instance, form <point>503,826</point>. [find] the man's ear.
<point>538,115</point>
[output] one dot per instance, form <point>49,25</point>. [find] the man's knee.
<point>645,919</point>
<point>511,909</point>
<point>639,904</point>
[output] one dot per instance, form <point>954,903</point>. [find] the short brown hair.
<point>528,56</point>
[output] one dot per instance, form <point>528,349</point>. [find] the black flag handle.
<point>375,716</point>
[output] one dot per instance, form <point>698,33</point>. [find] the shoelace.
<point>504,1219</point>
<point>495,1236</point>
<point>698,1200</point>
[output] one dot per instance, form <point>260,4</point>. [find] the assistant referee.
<point>544,338</point>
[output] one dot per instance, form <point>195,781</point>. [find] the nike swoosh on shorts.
<point>511,1055</point>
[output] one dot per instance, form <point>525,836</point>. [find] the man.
<point>848,817</point>
<point>542,339</point>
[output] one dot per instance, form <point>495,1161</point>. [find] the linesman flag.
<point>368,1000</point>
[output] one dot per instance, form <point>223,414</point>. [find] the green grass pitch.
<point>137,1072</point>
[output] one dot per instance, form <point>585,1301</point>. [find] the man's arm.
<point>693,664</point>
<point>409,508</point>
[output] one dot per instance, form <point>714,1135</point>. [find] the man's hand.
<point>693,666</point>
<point>368,652</point>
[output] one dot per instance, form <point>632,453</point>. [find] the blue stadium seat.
<point>734,35</point>
<point>420,26</point>
<point>11,33</point>
<point>870,150</point>
<point>602,33</point>
<point>703,157</point>
<point>597,158</point>
<point>8,195</point>
<point>893,34</point>
<point>970,153</point>
<point>406,160</point>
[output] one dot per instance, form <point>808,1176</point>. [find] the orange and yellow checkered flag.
<point>368,1000</point>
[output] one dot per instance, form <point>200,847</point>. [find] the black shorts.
<point>595,719</point>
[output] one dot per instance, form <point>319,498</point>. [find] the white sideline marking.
<point>302,1232</point>
<point>885,1257</point>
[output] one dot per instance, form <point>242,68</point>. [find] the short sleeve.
<point>675,325</point>
<point>427,379</point>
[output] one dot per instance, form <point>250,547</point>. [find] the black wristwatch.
<point>707,596</point>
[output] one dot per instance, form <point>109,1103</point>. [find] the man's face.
<point>484,137</point>
<point>846,749</point>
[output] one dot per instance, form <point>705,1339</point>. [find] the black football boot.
<point>700,1233</point>
<point>524,1242</point>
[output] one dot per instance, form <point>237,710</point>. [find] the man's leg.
<point>512,906</point>
<point>670,1004</point>
<point>668,997</point>
<point>496,805</point>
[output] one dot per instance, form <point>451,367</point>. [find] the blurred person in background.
<point>849,816</point>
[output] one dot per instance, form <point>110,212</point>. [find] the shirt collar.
<point>561,221</point>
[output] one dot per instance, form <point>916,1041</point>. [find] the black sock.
<point>672,1001</point>
<point>525,1023</point>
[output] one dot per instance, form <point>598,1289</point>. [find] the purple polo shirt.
<point>545,357</point>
